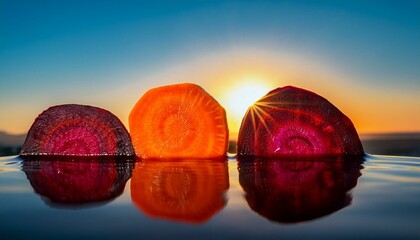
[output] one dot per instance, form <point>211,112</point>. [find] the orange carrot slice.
<point>190,191</point>
<point>178,121</point>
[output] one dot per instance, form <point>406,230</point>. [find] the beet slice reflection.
<point>294,121</point>
<point>291,190</point>
<point>189,191</point>
<point>68,182</point>
<point>77,130</point>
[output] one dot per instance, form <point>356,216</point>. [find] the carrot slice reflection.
<point>188,191</point>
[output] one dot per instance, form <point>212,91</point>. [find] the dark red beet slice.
<point>290,190</point>
<point>292,121</point>
<point>64,181</point>
<point>77,130</point>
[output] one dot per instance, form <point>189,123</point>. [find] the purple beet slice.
<point>290,121</point>
<point>67,181</point>
<point>77,130</point>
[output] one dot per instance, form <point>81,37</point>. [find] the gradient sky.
<point>364,56</point>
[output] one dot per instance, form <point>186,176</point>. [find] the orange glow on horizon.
<point>238,97</point>
<point>372,108</point>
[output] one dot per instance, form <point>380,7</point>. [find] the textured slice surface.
<point>294,121</point>
<point>178,121</point>
<point>77,130</point>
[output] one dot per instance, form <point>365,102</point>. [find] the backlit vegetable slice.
<point>178,121</point>
<point>77,130</point>
<point>294,121</point>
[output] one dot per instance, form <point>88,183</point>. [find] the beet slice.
<point>64,181</point>
<point>291,190</point>
<point>77,130</point>
<point>190,191</point>
<point>292,121</point>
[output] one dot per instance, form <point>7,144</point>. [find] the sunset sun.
<point>240,97</point>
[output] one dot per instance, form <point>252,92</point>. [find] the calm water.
<point>370,197</point>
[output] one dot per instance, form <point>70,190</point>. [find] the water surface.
<point>369,197</point>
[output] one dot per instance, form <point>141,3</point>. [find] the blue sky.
<point>107,53</point>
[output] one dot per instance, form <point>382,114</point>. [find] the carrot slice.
<point>178,121</point>
<point>189,191</point>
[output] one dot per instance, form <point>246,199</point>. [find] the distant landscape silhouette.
<point>396,144</point>
<point>10,144</point>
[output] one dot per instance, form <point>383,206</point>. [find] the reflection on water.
<point>69,182</point>
<point>294,190</point>
<point>181,190</point>
<point>387,194</point>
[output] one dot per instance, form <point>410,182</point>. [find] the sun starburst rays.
<point>258,112</point>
